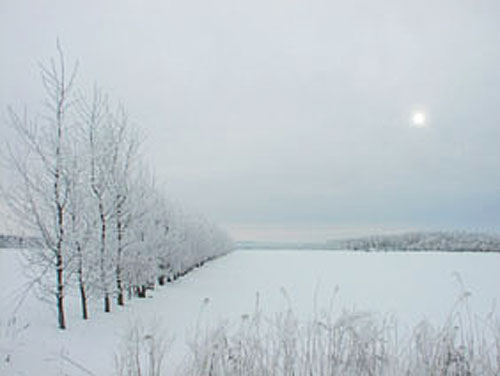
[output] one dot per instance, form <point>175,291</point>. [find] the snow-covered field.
<point>411,286</point>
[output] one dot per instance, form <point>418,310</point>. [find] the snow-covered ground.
<point>411,286</point>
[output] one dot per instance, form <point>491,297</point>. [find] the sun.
<point>419,120</point>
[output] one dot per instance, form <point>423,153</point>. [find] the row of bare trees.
<point>78,183</point>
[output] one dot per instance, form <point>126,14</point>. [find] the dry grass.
<point>349,343</point>
<point>142,352</point>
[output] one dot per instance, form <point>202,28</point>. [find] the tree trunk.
<point>141,292</point>
<point>81,283</point>
<point>83,298</point>
<point>59,258</point>
<point>60,292</point>
<point>119,230</point>
<point>161,280</point>
<point>83,293</point>
<point>120,299</point>
<point>107,306</point>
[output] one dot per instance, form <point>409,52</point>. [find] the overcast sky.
<point>290,112</point>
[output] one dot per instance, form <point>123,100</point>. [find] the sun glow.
<point>419,120</point>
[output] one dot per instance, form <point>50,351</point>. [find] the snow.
<point>411,286</point>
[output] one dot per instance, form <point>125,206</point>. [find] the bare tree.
<point>39,161</point>
<point>82,226</point>
<point>124,153</point>
<point>94,116</point>
<point>112,147</point>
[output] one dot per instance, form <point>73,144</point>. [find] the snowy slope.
<point>411,286</point>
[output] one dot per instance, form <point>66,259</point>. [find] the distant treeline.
<point>12,241</point>
<point>456,241</point>
<point>446,241</point>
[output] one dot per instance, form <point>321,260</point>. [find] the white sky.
<point>287,111</point>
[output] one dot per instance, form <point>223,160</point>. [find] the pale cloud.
<point>290,111</point>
